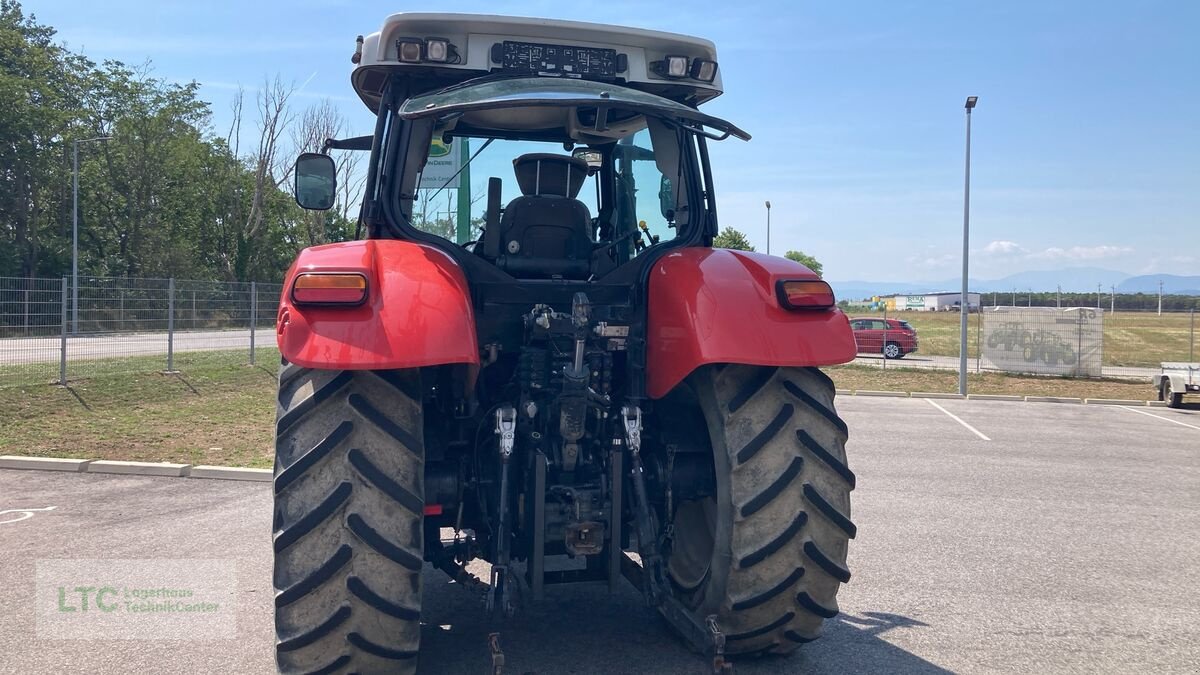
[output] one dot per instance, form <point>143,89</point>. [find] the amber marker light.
<point>804,294</point>
<point>324,288</point>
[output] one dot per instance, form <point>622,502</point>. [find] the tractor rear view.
<point>585,378</point>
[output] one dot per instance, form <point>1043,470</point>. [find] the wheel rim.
<point>692,548</point>
<point>891,351</point>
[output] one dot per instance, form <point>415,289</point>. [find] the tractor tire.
<point>767,554</point>
<point>349,502</point>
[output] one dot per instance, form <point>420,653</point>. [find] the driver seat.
<point>546,232</point>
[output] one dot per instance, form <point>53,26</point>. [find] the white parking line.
<point>1168,419</point>
<point>956,419</point>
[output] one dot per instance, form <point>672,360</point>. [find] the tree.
<point>731,238</point>
<point>806,260</point>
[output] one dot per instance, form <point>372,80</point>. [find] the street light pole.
<point>1160,297</point>
<point>964,304</point>
<point>75,229</point>
<point>768,227</point>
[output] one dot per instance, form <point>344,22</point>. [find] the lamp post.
<point>75,229</point>
<point>768,227</point>
<point>965,306</point>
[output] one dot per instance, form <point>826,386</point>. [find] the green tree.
<point>806,260</point>
<point>731,238</point>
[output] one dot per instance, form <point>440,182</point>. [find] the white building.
<point>936,302</point>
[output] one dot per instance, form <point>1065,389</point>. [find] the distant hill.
<point>1072,280</point>
<point>1172,284</point>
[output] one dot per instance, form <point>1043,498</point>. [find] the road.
<point>1064,543</point>
<point>16,351</point>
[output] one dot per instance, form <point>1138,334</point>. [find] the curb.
<point>934,394</point>
<point>994,397</point>
<point>843,392</point>
<point>892,394</point>
<point>166,469</point>
<point>231,473</point>
<point>44,463</point>
<point>139,468</point>
<point>1053,399</point>
<point>1114,401</point>
<point>1156,404</point>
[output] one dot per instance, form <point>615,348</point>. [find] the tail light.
<point>804,294</point>
<point>324,288</point>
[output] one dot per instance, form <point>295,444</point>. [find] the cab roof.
<point>476,45</point>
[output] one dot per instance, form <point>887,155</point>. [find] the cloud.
<point>1082,252</point>
<point>1003,247</point>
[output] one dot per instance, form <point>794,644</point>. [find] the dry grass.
<point>217,411</point>
<point>926,380</point>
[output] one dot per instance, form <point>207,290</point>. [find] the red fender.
<point>719,306</point>
<point>417,313</point>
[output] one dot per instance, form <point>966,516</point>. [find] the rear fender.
<point>719,306</point>
<point>417,313</point>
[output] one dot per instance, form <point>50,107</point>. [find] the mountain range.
<point>1071,279</point>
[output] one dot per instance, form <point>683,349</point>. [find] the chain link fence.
<point>1076,342</point>
<point>53,333</point>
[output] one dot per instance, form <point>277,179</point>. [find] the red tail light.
<point>324,288</point>
<point>804,294</point>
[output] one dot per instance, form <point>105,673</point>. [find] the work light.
<point>409,50</point>
<point>437,50</point>
<point>704,70</point>
<point>675,66</point>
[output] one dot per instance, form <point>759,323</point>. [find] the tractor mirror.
<point>593,158</point>
<point>316,181</point>
<point>666,199</point>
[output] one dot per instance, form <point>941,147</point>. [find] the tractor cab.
<point>587,137</point>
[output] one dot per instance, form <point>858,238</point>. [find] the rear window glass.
<point>904,324</point>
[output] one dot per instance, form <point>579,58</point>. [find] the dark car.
<point>891,337</point>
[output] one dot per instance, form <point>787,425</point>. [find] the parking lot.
<point>993,536</point>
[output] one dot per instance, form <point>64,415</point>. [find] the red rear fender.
<point>417,313</point>
<point>719,306</point>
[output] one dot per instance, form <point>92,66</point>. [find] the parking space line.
<point>1167,419</point>
<point>957,419</point>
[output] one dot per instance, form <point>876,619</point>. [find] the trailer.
<point>1177,380</point>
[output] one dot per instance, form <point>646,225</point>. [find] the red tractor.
<point>585,378</point>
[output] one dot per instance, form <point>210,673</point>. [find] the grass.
<point>218,410</point>
<point>1130,338</point>
<point>928,380</point>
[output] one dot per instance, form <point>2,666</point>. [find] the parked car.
<point>891,337</point>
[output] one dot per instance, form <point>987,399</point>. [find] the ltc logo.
<point>83,594</point>
<point>438,148</point>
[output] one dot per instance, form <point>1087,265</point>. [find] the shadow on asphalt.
<point>584,629</point>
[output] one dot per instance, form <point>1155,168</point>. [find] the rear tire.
<point>892,350</point>
<point>347,521</point>
<point>767,554</point>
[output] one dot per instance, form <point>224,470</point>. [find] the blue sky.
<point>1086,147</point>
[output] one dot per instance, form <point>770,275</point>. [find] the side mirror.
<point>316,181</point>
<point>666,199</point>
<point>593,158</point>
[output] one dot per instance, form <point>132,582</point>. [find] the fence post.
<point>121,315</point>
<point>28,283</point>
<point>253,317</point>
<point>62,354</point>
<point>1192,338</point>
<point>193,310</point>
<point>171,325</point>
<point>883,346</point>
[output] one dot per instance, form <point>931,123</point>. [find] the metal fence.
<point>1068,341</point>
<point>50,332</point>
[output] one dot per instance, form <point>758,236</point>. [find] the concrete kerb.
<point>1053,399</point>
<point>44,463</point>
<point>1114,401</point>
<point>994,397</point>
<point>167,469</point>
<point>892,394</point>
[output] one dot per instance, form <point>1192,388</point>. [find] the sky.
<point>1085,142</point>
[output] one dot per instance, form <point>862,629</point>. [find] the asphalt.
<point>1067,543</point>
